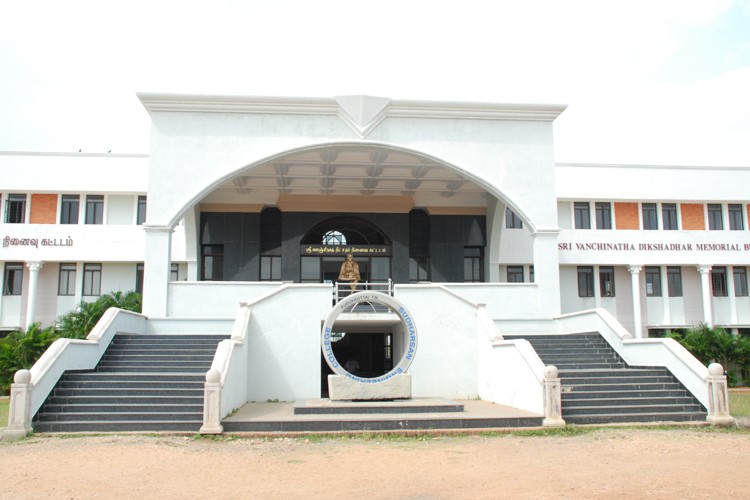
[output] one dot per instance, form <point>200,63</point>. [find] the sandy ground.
<point>608,463</point>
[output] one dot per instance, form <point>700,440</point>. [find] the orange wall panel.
<point>692,216</point>
<point>43,209</point>
<point>626,215</point>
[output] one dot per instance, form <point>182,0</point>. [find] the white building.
<point>247,200</point>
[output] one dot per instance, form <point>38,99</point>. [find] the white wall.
<point>647,182</point>
<point>120,209</point>
<point>74,172</point>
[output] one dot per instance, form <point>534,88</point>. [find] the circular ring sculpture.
<point>410,348</point>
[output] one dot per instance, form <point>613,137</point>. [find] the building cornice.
<point>79,155</point>
<point>650,167</point>
<point>156,102</point>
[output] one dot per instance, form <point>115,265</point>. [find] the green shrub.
<point>20,350</point>
<point>717,345</point>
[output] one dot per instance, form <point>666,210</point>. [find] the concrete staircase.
<point>142,383</point>
<point>598,387</point>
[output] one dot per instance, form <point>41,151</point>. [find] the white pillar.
<point>496,226</point>
<point>731,296</point>
<point>552,398</point>
<point>635,284</point>
<point>706,293</point>
<point>34,268</point>
<point>212,403</point>
<point>156,269</point>
<point>718,397</point>
<point>547,271</point>
<point>666,314</point>
<point>19,413</point>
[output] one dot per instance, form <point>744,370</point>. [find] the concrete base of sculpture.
<point>341,388</point>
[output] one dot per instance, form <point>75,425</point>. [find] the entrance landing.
<point>322,415</point>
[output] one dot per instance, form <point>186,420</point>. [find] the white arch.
<point>495,191</point>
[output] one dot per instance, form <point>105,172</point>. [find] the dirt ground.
<point>608,463</point>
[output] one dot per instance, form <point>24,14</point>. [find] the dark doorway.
<point>372,353</point>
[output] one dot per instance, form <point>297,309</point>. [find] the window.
<point>653,281</point>
<point>531,274</point>
<point>473,264</point>
<point>582,213</point>
<point>607,281</point>
<point>140,218</point>
<point>92,279</point>
<point>334,238</point>
<point>69,209</point>
<point>66,281</point>
<point>511,220</point>
<point>15,209</point>
<point>174,272</point>
<point>139,268</point>
<point>515,274</point>
<point>270,268</point>
<point>212,267</point>
<point>669,216</point>
<point>13,280</point>
<point>715,220</point>
<point>736,221</point>
<point>585,281</point>
<point>603,215</point>
<point>740,281</point>
<point>94,209</point>
<point>719,281</point>
<point>650,219</point>
<point>674,281</point>
<point>310,270</point>
<point>419,269</point>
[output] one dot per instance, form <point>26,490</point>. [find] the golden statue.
<point>350,271</point>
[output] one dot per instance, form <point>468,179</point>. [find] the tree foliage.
<point>20,350</point>
<point>717,345</point>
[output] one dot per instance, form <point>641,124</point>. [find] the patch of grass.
<point>568,430</point>
<point>4,407</point>
<point>214,437</point>
<point>739,403</point>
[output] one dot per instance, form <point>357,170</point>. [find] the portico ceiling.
<point>351,170</point>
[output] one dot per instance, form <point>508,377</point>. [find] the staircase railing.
<point>33,386</point>
<point>342,289</point>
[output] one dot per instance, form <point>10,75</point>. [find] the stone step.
<point>127,392</point>
<point>119,416</point>
<point>568,396</point>
<point>113,400</point>
<point>130,384</point>
<point>155,358</point>
<point>160,351</point>
<point>636,417</point>
<point>624,378</point>
<point>615,372</point>
<point>632,401</point>
<point>119,426</point>
<point>569,367</point>
<point>154,369</point>
<point>119,408</point>
<point>172,337</point>
<point>621,387</point>
<point>147,377</point>
<point>637,408</point>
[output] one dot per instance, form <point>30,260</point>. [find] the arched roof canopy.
<point>394,178</point>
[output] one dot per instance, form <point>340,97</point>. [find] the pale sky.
<point>645,81</point>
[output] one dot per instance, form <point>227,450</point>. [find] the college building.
<point>239,218</point>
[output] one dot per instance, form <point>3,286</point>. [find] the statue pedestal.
<point>342,388</point>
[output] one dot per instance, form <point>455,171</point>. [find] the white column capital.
<point>703,268</point>
<point>35,266</point>
<point>634,269</point>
